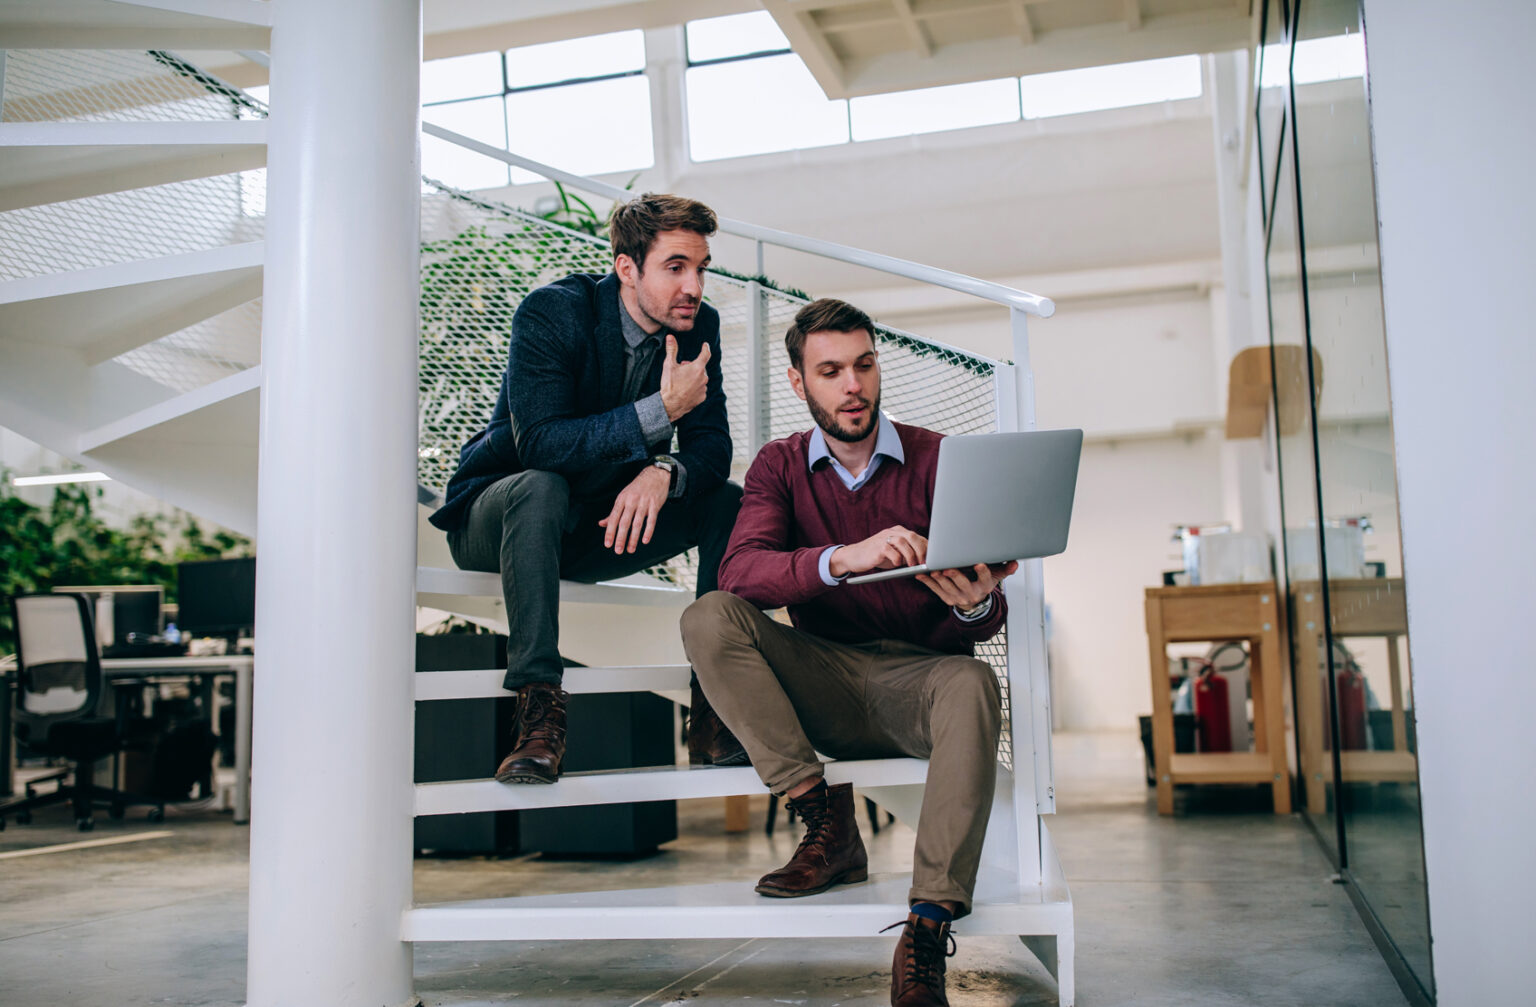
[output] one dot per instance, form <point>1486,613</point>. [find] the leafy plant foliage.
<point>68,543</point>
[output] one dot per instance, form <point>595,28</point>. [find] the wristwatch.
<point>668,463</point>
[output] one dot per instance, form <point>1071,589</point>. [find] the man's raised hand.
<point>683,385</point>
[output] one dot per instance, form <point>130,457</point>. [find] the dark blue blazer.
<point>559,409</point>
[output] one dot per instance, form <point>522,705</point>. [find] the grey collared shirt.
<point>640,349</point>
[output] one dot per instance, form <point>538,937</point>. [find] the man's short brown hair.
<point>826,315</point>
<point>633,227</point>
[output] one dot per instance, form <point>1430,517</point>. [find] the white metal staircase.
<point>131,270</point>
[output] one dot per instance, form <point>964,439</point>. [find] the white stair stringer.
<point>50,162</point>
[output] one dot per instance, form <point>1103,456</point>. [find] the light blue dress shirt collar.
<point>887,445</point>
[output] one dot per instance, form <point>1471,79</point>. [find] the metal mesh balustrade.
<point>200,214</point>
<point>111,85</point>
<point>478,260</point>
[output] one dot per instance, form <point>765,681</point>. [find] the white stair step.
<point>656,783</point>
<point>49,162</point>
<point>198,403</point>
<point>732,909</point>
<point>137,24</point>
<point>486,682</point>
<point>448,583</point>
<point>108,310</point>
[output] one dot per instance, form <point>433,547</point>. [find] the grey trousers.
<point>787,694</point>
<point>526,528</point>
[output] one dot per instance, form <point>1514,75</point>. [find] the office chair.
<point>59,690</point>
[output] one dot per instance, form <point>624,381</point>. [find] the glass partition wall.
<point>1342,558</point>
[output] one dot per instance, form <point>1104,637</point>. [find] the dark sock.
<point>933,911</point>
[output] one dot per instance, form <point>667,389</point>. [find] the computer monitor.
<point>120,610</point>
<point>216,597</point>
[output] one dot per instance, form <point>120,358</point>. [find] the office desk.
<point>241,666</point>
<point>1361,607</point>
<point>1247,612</point>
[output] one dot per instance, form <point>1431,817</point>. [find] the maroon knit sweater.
<point>789,515</point>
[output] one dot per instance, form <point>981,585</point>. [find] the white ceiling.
<point>857,47</point>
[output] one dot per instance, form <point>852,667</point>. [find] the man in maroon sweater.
<point>867,671</point>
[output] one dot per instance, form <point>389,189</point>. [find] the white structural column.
<point>1454,141</point>
<point>336,522</point>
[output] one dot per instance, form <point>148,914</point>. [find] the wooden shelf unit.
<point>1361,607</point>
<point>1252,614</point>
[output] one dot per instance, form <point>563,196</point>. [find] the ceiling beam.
<point>1021,18</point>
<point>914,29</point>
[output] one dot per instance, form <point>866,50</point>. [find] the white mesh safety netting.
<point>478,260</point>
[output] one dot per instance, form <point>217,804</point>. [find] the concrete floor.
<point>1223,905</point>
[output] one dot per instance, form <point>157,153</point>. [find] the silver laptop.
<point>996,498</point>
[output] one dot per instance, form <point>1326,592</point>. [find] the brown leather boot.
<point>710,742</point>
<point>831,852</point>
<point>539,743</point>
<point>917,969</point>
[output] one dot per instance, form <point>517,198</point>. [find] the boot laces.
<point>925,965</point>
<point>817,815</point>
<point>535,716</point>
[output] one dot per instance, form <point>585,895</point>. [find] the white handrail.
<point>1033,304</point>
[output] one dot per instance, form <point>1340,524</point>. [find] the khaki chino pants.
<point>787,695</point>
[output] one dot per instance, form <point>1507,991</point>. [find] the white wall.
<point>1454,142</point>
<point>1130,371</point>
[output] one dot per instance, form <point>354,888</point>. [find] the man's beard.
<point>828,422</point>
<point>661,312</point>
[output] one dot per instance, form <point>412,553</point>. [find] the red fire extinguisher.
<point>1351,692</point>
<point>1213,711</point>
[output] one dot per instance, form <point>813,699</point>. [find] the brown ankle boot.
<point>710,742</point>
<point>917,969</point>
<point>538,745</point>
<point>831,852</point>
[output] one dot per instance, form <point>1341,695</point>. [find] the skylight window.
<point>734,36</point>
<point>932,109</point>
<point>1068,92</point>
<point>620,52</point>
<point>580,104</point>
<point>758,106</point>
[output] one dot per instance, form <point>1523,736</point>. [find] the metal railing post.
<point>758,420</point>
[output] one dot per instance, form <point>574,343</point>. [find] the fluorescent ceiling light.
<point>62,477</point>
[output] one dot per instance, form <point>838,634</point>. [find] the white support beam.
<point>1020,9</point>
<point>336,510</point>
<point>244,383</point>
<point>914,29</point>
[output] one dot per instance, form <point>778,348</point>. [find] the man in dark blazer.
<point>575,476</point>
